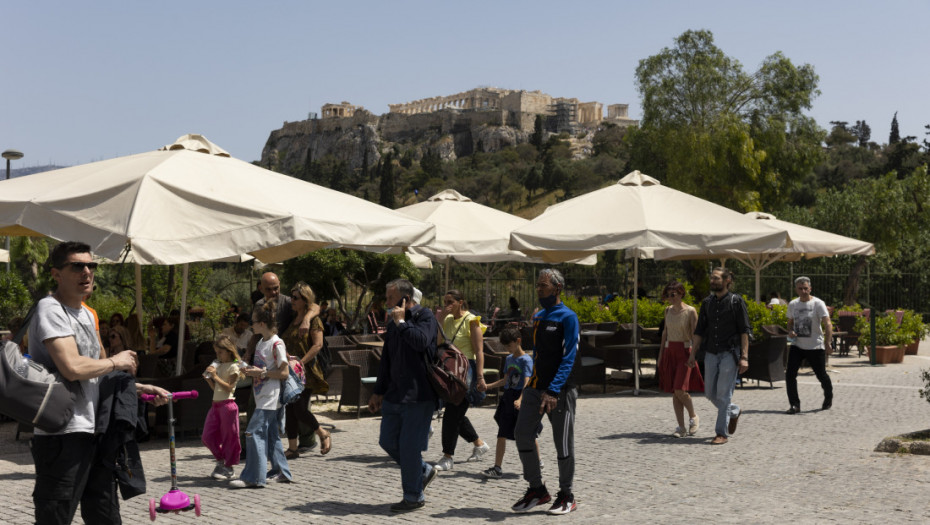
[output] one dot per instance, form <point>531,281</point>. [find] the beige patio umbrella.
<point>640,216</point>
<point>189,202</point>
<point>468,232</point>
<point>807,243</point>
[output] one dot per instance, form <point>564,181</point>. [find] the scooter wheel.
<point>152,513</point>
<point>197,504</point>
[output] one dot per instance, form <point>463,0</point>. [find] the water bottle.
<point>23,367</point>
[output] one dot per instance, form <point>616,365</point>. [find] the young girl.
<point>221,428</point>
<point>261,437</point>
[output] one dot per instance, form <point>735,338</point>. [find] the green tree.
<point>895,135</point>
<point>14,298</point>
<point>328,272</point>
<point>386,195</point>
<point>712,129</point>
<point>536,139</point>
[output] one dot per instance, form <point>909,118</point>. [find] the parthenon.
<point>517,107</point>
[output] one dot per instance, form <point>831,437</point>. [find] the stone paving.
<point>814,467</point>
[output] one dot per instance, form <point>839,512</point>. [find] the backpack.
<point>448,372</point>
<point>31,394</point>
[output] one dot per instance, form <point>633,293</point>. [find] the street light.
<point>10,154</point>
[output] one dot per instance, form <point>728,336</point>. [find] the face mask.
<point>548,301</point>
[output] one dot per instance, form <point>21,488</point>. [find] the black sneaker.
<point>827,403</point>
<point>564,503</point>
<point>533,497</point>
<point>407,506</point>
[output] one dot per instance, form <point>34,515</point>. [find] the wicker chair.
<point>358,378</point>
<point>590,366</point>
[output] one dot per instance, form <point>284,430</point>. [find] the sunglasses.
<point>297,298</point>
<point>79,266</point>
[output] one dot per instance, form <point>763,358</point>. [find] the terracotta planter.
<point>889,354</point>
<point>911,348</point>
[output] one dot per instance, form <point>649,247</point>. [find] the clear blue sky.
<point>86,81</point>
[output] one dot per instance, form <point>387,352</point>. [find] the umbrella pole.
<point>446,289</point>
<point>182,321</point>
<point>636,326</point>
<point>139,298</point>
<point>758,278</point>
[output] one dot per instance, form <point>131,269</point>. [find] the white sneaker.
<point>477,452</point>
<point>444,463</point>
<point>239,484</point>
<point>225,473</point>
<point>693,425</point>
<point>679,432</point>
<point>219,472</point>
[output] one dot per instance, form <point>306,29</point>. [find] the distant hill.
<point>22,172</point>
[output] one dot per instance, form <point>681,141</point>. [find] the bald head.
<point>271,286</point>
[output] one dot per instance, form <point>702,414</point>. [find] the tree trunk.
<point>852,281</point>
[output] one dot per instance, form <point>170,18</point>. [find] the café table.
<point>592,335</point>
<point>636,348</point>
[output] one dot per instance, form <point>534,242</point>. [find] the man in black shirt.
<point>722,333</point>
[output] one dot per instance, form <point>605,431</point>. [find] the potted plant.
<point>913,326</point>
<point>889,339</point>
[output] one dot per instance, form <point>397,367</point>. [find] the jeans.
<point>562,419</point>
<point>720,371</point>
<point>262,444</point>
<point>68,473</point>
<point>818,362</point>
<point>404,436</point>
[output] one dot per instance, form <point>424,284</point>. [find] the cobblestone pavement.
<point>814,467</point>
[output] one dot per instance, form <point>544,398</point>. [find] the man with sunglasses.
<point>63,338</point>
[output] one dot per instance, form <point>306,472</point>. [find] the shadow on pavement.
<point>341,508</point>
<point>479,513</point>
<point>646,438</point>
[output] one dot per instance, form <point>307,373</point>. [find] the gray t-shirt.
<point>52,320</point>
<point>806,316</point>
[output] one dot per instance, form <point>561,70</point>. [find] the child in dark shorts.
<point>518,368</point>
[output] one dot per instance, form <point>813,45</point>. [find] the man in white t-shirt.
<point>63,338</point>
<point>240,332</point>
<point>809,326</point>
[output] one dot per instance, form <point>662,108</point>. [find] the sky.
<point>88,81</point>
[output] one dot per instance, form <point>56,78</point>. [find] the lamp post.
<point>10,154</point>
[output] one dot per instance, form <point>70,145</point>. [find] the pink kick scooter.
<point>175,500</point>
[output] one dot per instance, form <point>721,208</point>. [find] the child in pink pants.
<point>221,428</point>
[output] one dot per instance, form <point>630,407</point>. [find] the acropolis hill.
<point>481,119</point>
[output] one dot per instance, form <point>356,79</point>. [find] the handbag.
<point>292,387</point>
<point>30,393</point>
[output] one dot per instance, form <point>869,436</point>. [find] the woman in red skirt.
<point>675,376</point>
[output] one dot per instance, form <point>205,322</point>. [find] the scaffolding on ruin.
<point>563,116</point>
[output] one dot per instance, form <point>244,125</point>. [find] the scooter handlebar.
<point>190,394</point>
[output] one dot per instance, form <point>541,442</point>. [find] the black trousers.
<point>68,473</point>
<point>455,424</point>
<point>817,360</point>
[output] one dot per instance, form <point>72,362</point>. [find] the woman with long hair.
<point>465,331</point>
<point>304,348</point>
<point>675,376</point>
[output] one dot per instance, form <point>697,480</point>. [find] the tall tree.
<point>895,136</point>
<point>386,195</point>
<point>863,132</point>
<point>712,129</point>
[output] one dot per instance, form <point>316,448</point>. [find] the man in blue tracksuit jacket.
<point>550,391</point>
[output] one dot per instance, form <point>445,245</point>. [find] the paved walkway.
<point>815,467</point>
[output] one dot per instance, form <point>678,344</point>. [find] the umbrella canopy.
<point>191,202</point>
<point>640,215</point>
<point>465,230</point>
<point>4,255</point>
<point>807,243</point>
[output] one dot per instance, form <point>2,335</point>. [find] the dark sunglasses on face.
<point>79,266</point>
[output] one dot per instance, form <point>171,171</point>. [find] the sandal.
<point>326,444</point>
<point>291,454</point>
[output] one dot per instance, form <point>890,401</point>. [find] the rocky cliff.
<point>450,133</point>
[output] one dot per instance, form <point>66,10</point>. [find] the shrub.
<point>913,326</point>
<point>887,332</point>
<point>14,298</point>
